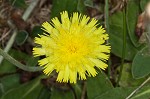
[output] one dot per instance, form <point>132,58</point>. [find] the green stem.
<point>2,88</point>
<point>124,45</point>
<point>137,89</point>
<point>29,10</point>
<point>9,44</point>
<point>107,29</point>
<point>107,15</point>
<point>18,64</point>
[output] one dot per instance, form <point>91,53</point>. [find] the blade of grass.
<point>107,29</point>
<point>124,43</point>
<point>138,88</point>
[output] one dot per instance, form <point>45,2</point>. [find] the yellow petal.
<point>38,51</point>
<point>47,27</point>
<point>48,69</point>
<point>90,70</point>
<point>99,63</point>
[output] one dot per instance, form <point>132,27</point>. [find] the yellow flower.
<point>73,47</point>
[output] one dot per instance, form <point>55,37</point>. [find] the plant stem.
<point>107,29</point>
<point>148,79</point>
<point>18,64</point>
<point>107,15</point>
<point>29,10</point>
<point>9,44</point>
<point>124,45</point>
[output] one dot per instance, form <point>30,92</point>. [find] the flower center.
<point>72,49</point>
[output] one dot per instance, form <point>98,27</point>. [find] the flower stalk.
<point>18,64</point>
<point>107,30</point>
<point>124,45</point>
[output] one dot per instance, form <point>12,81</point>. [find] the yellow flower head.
<point>72,47</point>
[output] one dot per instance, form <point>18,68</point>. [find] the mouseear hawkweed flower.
<point>74,47</point>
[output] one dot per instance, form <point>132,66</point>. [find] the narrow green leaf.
<point>131,16</point>
<point>28,90</point>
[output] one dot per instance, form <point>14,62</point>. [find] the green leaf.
<point>32,61</point>
<point>10,81</point>
<point>140,65</point>
<point>45,93</point>
<point>21,37</point>
<point>131,17</point>
<point>143,4</point>
<point>63,5</point>
<point>7,67</point>
<point>28,90</point>
<point>36,31</point>
<point>19,3</point>
<point>122,93</point>
<point>81,7</point>
<point>77,88</point>
<point>116,93</point>
<point>116,38</point>
<point>127,79</point>
<point>60,94</point>
<point>98,85</point>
